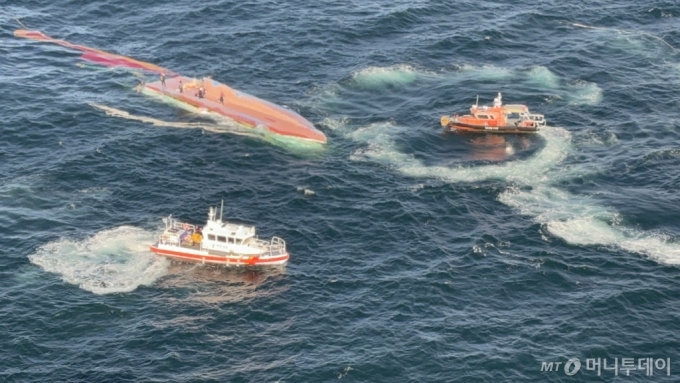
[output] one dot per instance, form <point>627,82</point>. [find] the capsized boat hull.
<point>185,254</point>
<point>463,127</point>
<point>239,106</point>
<point>95,55</point>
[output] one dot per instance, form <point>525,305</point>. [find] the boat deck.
<point>192,247</point>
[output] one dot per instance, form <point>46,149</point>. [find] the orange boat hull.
<point>509,129</point>
<point>239,106</point>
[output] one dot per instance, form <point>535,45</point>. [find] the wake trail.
<point>578,220</point>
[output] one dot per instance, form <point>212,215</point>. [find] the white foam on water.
<point>578,92</point>
<point>509,149</point>
<point>544,77</point>
<point>596,138</point>
<point>485,72</point>
<point>111,261</point>
<point>219,124</point>
<point>584,93</point>
<point>381,148</point>
<point>380,76</point>
<point>623,35</point>
<point>305,190</point>
<point>577,219</point>
<point>335,123</point>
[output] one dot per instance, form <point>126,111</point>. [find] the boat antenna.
<point>477,102</point>
<point>221,210</point>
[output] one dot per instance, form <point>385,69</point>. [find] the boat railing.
<point>169,240</point>
<point>276,246</point>
<point>174,229</point>
<point>173,224</point>
<point>539,119</point>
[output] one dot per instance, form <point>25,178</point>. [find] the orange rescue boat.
<point>499,118</point>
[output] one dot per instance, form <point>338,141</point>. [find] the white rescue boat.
<point>218,243</point>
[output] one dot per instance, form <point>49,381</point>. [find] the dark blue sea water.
<point>416,255</point>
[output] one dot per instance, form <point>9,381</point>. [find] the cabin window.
<point>221,239</point>
<point>482,116</point>
<point>231,240</point>
<point>211,237</point>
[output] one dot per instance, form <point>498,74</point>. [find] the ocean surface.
<point>416,255</point>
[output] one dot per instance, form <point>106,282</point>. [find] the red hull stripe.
<point>216,259</point>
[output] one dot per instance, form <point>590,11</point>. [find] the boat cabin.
<point>228,233</point>
<point>228,237</point>
<point>484,115</point>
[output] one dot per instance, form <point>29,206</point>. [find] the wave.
<point>111,261</point>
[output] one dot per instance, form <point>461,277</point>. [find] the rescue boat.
<point>218,243</point>
<point>499,118</point>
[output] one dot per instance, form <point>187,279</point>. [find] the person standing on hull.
<point>162,79</point>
